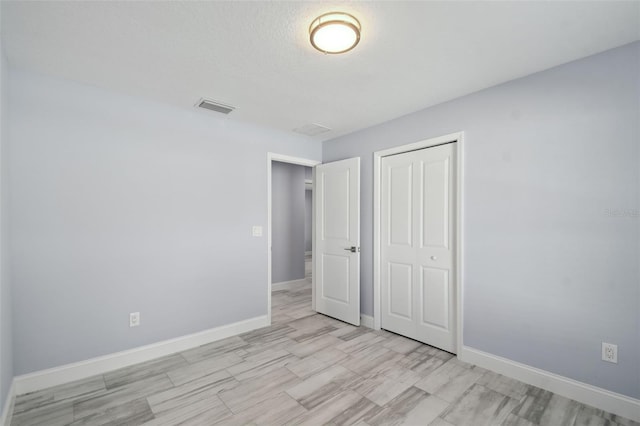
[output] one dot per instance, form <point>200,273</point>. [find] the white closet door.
<point>418,245</point>
<point>336,256</point>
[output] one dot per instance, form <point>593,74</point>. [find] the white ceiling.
<point>256,55</point>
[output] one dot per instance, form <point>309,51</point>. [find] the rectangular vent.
<point>215,106</point>
<point>312,129</point>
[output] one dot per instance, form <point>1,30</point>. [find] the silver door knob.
<point>353,249</point>
<point>433,257</point>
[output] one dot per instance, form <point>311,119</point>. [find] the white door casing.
<point>336,258</point>
<point>418,245</point>
<point>271,157</point>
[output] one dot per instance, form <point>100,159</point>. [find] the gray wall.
<point>119,204</point>
<point>6,348</point>
<point>308,219</point>
<point>288,222</point>
<point>549,274</point>
<point>308,205</point>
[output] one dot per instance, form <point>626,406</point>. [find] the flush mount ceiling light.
<point>334,32</point>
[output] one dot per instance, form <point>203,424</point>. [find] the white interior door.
<point>336,256</point>
<point>418,245</point>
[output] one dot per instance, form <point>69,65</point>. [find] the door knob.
<point>353,249</point>
<point>433,257</point>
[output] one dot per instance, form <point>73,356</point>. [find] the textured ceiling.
<point>256,55</point>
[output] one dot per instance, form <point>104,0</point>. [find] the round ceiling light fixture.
<point>334,32</point>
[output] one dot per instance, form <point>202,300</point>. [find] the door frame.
<point>377,199</point>
<point>271,157</point>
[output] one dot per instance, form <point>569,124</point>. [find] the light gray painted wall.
<point>308,205</point>
<point>121,205</point>
<point>308,220</point>
<point>288,222</point>
<point>6,347</point>
<point>548,274</point>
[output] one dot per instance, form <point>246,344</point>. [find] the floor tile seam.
<point>492,390</point>
<point>43,405</point>
<point>284,392</point>
<point>365,397</point>
<point>74,403</point>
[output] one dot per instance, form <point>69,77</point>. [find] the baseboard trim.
<point>83,369</point>
<point>612,402</point>
<point>366,321</point>
<point>7,408</point>
<point>288,285</point>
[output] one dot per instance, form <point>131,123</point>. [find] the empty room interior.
<point>320,212</point>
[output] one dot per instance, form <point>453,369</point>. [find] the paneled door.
<point>418,245</point>
<point>336,256</point>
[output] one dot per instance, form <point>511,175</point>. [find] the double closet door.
<point>418,245</point>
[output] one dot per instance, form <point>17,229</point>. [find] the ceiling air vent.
<point>215,106</point>
<point>312,129</point>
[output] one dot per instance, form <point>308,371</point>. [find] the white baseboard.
<point>7,408</point>
<point>587,394</point>
<point>80,370</point>
<point>289,285</point>
<point>366,321</point>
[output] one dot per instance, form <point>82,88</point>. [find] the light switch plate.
<point>257,231</point>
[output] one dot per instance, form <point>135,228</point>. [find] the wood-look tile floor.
<point>305,369</point>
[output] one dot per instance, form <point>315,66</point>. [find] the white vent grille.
<point>312,129</point>
<point>215,106</point>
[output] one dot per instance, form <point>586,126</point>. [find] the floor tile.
<point>440,422</point>
<point>504,385</point>
<point>261,364</point>
<point>144,370</point>
<point>533,405</point>
<point>427,410</point>
<point>381,389</point>
<point>330,409</point>
<point>254,391</point>
<point>560,411</point>
<point>196,407</point>
<point>53,414</point>
<point>205,388</point>
<point>112,398</point>
<point>210,350</point>
<point>513,420</point>
<point>450,381</point>
<point>396,411</point>
<point>357,414</point>
<point>277,410</point>
<point>311,346</point>
<point>320,387</point>
<point>131,413</point>
<point>306,367</point>
<point>480,406</point>
<point>203,368</point>
<point>402,344</point>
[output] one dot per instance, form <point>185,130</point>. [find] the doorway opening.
<point>289,235</point>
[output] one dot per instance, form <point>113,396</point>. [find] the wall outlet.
<point>257,231</point>
<point>134,319</point>
<point>610,352</point>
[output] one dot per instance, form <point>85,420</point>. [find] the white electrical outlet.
<point>610,352</point>
<point>134,319</point>
<point>256,231</point>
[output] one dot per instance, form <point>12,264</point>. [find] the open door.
<point>336,256</point>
